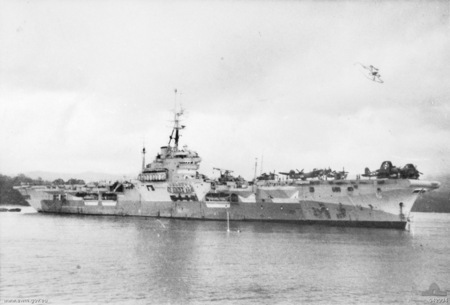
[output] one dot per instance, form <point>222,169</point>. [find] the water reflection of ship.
<point>192,255</point>
<point>167,251</point>
<point>172,187</point>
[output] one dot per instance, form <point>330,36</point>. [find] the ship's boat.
<point>171,186</point>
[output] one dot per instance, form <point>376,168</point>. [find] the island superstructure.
<point>172,187</point>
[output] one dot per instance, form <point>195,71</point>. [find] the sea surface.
<point>69,259</point>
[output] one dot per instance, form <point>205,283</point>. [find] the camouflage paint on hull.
<point>306,212</point>
<point>368,203</point>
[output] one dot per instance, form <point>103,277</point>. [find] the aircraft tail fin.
<point>386,167</point>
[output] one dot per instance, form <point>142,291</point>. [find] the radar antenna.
<point>225,171</point>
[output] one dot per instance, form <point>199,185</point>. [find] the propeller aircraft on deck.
<point>338,175</point>
<point>294,175</point>
<point>315,173</point>
<point>387,170</point>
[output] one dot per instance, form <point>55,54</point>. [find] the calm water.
<point>118,260</point>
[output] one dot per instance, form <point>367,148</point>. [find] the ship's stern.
<point>33,195</point>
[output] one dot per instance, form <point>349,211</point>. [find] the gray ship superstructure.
<point>172,187</point>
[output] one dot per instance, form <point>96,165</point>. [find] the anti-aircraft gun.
<point>225,175</point>
<point>267,177</point>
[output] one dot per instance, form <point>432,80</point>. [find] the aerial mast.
<point>143,158</point>
<point>256,168</point>
<point>262,161</point>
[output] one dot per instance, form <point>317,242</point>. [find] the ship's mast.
<point>177,126</point>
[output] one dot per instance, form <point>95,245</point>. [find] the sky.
<point>84,84</point>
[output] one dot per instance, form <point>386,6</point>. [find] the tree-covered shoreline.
<point>11,196</point>
<point>437,201</point>
<point>431,202</point>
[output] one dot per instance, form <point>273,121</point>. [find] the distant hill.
<point>437,201</point>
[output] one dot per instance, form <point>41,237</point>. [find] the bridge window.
<point>350,189</point>
<point>311,189</point>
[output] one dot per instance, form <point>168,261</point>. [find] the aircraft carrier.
<point>171,187</point>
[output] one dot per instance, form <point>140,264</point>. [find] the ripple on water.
<point>73,259</point>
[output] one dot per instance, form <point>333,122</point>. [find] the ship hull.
<point>381,204</point>
<point>305,213</point>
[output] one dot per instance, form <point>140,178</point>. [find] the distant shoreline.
<point>14,204</point>
<point>433,202</point>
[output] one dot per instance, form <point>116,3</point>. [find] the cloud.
<point>82,84</point>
